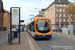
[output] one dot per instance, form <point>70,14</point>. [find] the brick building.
<point>6,22</point>
<point>1,15</point>
<point>56,11</point>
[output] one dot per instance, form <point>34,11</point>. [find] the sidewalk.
<point>3,36</point>
<point>65,35</point>
<point>27,43</point>
<point>4,32</point>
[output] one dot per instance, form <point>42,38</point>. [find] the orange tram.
<point>40,28</point>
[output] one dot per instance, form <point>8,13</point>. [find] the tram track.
<point>56,43</point>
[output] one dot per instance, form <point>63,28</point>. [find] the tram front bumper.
<point>42,36</point>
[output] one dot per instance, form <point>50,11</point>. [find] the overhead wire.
<point>37,6</point>
<point>39,3</point>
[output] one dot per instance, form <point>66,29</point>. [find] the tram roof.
<point>38,18</point>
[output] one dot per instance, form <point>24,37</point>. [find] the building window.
<point>60,15</point>
<point>54,6</point>
<point>53,10</point>
<point>60,10</point>
<point>57,5</point>
<point>57,10</point>
<point>60,5</point>
<point>53,15</point>
<point>71,15</point>
<point>59,0</point>
<point>64,5</point>
<point>67,20</point>
<point>57,15</point>
<point>60,20</point>
<point>64,20</point>
<point>57,20</point>
<point>53,20</point>
<point>64,15</point>
<point>63,10</point>
<point>71,20</point>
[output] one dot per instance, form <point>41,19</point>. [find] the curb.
<point>65,35</point>
<point>34,44</point>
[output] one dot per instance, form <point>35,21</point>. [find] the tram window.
<point>48,20</point>
<point>43,26</point>
<point>33,29</point>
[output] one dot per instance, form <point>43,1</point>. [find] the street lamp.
<point>59,22</point>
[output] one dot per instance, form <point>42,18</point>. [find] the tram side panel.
<point>31,30</point>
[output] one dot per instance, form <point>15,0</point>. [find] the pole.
<point>10,25</point>
<point>74,2</point>
<point>30,17</point>
<point>19,25</point>
<point>59,22</point>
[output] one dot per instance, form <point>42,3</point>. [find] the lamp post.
<point>74,2</point>
<point>59,22</point>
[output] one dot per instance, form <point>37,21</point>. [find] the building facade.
<point>6,22</point>
<point>1,15</point>
<point>56,11</point>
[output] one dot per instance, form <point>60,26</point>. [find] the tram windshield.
<point>43,26</point>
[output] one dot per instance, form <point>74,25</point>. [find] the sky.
<point>27,7</point>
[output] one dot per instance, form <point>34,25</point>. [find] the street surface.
<point>56,43</point>
<point>3,36</point>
